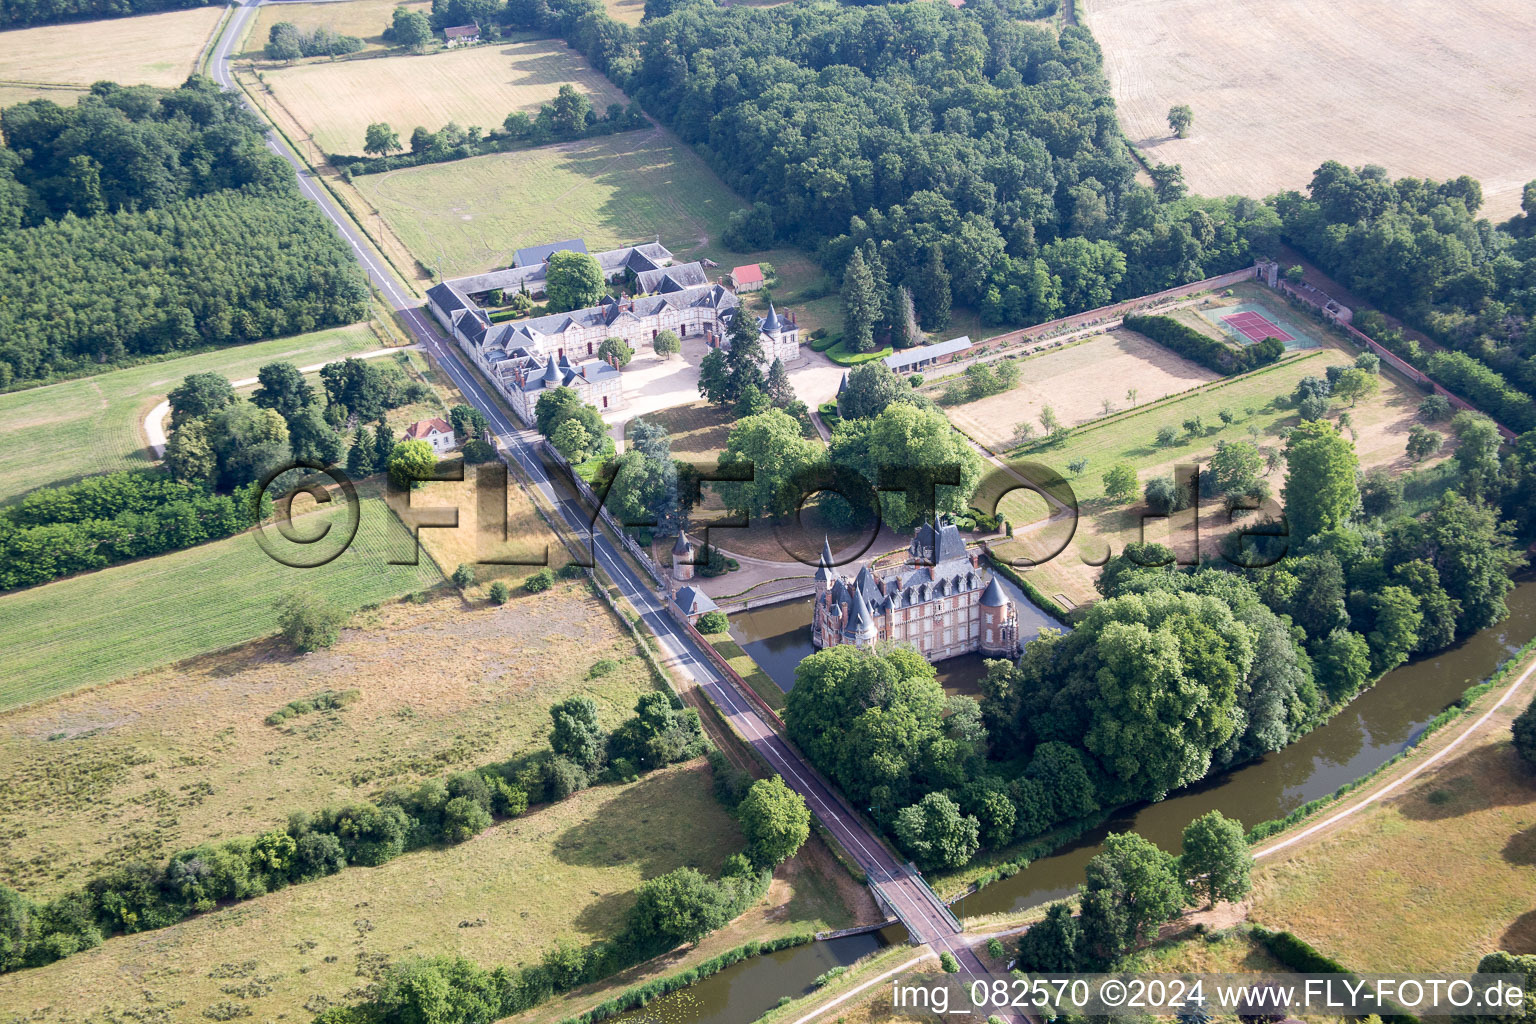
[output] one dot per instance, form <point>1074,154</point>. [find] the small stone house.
<point>436,432</point>
<point>691,603</point>
<point>462,35</point>
<point>746,279</point>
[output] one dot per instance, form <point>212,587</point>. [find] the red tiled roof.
<point>422,429</point>
<point>748,274</point>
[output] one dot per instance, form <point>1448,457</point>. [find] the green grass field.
<point>112,623</point>
<point>65,431</point>
<point>467,216</point>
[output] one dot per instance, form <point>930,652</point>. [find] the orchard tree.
<point>1216,858</point>
<point>1120,481</point>
<point>775,821</point>
<point>380,139</point>
<point>1180,118</point>
<point>572,280</point>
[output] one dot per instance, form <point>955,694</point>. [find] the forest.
<point>145,221</point>
<point>1417,249</point>
<point>16,13</point>
<point>978,156</point>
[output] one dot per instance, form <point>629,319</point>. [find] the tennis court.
<point>1256,326</point>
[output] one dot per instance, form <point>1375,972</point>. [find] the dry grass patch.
<point>150,49</point>
<point>1428,879</point>
<point>151,765</point>
<point>1076,382</point>
<point>566,870</point>
<point>1434,90</point>
<point>365,19</point>
<point>630,12</point>
<point>479,85</point>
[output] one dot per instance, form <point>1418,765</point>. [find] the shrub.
<point>1435,408</point>
<point>500,592</point>
<point>463,819</point>
<point>539,581</point>
<point>308,622</point>
<point>949,963</point>
<point>1525,735</point>
<point>1166,436</point>
<point>564,778</point>
<point>713,622</point>
<point>602,667</point>
<point>463,576</point>
<point>995,949</point>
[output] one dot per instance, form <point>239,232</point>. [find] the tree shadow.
<point>1520,937</point>
<point>1483,778</point>
<point>1521,848</point>
<point>639,825</point>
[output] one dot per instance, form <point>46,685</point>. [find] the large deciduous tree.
<point>775,820</point>
<point>1216,860</point>
<point>573,280</point>
<point>1321,489</point>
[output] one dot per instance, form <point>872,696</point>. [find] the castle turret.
<point>860,629</point>
<point>682,557</point>
<point>771,323</point>
<point>999,622</point>
<point>824,573</point>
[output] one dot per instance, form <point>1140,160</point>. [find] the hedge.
<point>840,355</point>
<point>1208,352</point>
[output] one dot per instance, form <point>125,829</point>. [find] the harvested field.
<point>185,603</point>
<point>366,19</point>
<point>64,96</point>
<point>479,85</point>
<point>95,424</point>
<point>467,216</point>
<point>1075,382</point>
<point>630,12</point>
<point>150,49</point>
<point>148,766</point>
<point>1450,860</point>
<point>565,871</point>
<point>1433,90</point>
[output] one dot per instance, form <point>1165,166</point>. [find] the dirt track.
<point>1278,86</point>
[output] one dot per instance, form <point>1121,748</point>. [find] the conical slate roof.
<point>861,623</point>
<point>682,547</point>
<point>771,323</point>
<point>993,596</point>
<point>551,373</point>
<point>826,551</point>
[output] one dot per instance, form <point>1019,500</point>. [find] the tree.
<point>381,139</point>
<point>1423,442</point>
<point>616,351</point>
<point>935,834</point>
<point>283,389</point>
<point>557,405</point>
<point>667,344</point>
<point>572,110</point>
<point>680,906</point>
<point>1179,120</point>
<point>410,28</point>
<point>312,439</point>
<point>714,622</point>
<point>1054,944</point>
<point>308,622</point>
<point>863,305</point>
<point>1236,470</point>
<point>778,388</point>
<point>1166,495</point>
<point>189,454</point>
<point>905,448</point>
<point>930,286</point>
<point>1343,663</point>
<point>499,592</point>
<point>463,575</point>
<point>905,331</point>
<point>411,463</point>
<point>775,821</point>
<point>1354,384</point>
<point>1077,466</point>
<point>1216,857</point>
<point>1500,962</point>
<point>360,455</point>
<point>1470,549</point>
<point>468,422</point>
<point>1139,880</point>
<point>572,280</point>
<point>1435,408</point>
<point>1477,452</point>
<point>1321,490</point>
<point>284,42</point>
<point>1524,734</point>
<point>779,455</point>
<point>576,734</point>
<point>572,440</point>
<point>1120,481</point>
<point>871,388</point>
<point>249,443</point>
<point>199,395</point>
<point>1049,421</point>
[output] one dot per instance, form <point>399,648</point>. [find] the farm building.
<point>530,265</point>
<point>462,35</point>
<point>921,356</point>
<point>435,431</point>
<point>745,279</point>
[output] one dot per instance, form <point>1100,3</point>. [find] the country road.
<point>900,886</point>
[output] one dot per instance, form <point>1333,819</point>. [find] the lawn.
<point>477,85</point>
<point>698,431</point>
<point>565,871</point>
<point>467,216</point>
<point>1431,878</point>
<point>94,424</point>
<point>171,758</point>
<point>365,19</point>
<point>111,623</point>
<point>151,49</point>
<point>1379,428</point>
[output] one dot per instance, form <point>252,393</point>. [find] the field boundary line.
<point>1408,776</point>
<point>844,997</point>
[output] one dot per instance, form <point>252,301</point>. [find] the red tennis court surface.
<point>1255,327</point>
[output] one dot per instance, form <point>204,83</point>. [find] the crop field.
<point>468,216</point>
<point>1434,90</point>
<point>1450,861</point>
<point>566,870</point>
<point>478,85</point>
<point>630,12</point>
<point>1076,382</point>
<point>189,602</point>
<point>64,96</point>
<point>365,19</point>
<point>95,424</point>
<point>1378,426</point>
<point>150,49</point>
<point>172,758</point>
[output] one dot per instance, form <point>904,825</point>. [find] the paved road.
<point>897,883</point>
